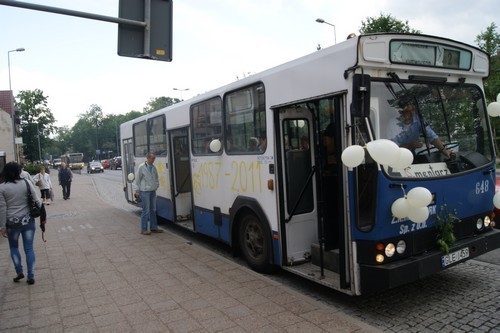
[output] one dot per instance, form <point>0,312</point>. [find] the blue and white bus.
<point>257,164</point>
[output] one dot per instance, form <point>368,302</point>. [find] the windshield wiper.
<point>396,79</point>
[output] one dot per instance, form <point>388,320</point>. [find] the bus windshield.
<point>445,126</point>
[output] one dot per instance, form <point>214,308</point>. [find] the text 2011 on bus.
<point>355,166</point>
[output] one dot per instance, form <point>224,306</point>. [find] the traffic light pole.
<point>149,39</point>
<point>71,13</point>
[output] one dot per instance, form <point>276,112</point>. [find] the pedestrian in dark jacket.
<point>65,176</point>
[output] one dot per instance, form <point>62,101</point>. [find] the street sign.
<point>154,41</point>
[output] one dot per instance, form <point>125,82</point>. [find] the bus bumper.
<point>375,278</point>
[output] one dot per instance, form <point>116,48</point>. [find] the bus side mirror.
<point>360,106</point>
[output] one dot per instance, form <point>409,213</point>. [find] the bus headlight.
<point>479,224</point>
<point>401,247</point>
<point>389,250</point>
<point>487,221</point>
<point>379,258</point>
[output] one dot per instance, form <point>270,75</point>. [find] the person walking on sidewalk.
<point>65,176</point>
<point>145,185</point>
<point>42,179</point>
<point>15,218</point>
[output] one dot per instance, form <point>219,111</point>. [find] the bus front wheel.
<point>254,243</point>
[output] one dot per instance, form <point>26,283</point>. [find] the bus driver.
<point>405,130</point>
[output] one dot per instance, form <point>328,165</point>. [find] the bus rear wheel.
<point>254,243</point>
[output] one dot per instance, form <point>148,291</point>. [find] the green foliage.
<point>445,221</point>
<point>34,168</point>
<point>385,23</point>
<point>489,41</point>
<point>37,122</point>
<point>160,103</point>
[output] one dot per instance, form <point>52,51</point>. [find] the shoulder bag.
<point>35,210</point>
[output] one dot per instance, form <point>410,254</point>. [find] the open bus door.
<point>128,167</point>
<point>298,182</point>
<point>181,176</point>
<point>313,230</point>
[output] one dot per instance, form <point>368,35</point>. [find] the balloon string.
<point>403,189</point>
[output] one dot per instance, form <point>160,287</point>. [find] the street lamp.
<point>181,90</point>
<point>320,20</point>
<point>14,132</point>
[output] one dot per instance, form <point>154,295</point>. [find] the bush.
<point>33,168</point>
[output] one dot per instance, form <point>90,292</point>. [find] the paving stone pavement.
<point>96,273</point>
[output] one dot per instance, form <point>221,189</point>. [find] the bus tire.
<point>254,243</point>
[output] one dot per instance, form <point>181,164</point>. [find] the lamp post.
<point>12,110</point>
<point>320,20</point>
<point>181,90</point>
<point>39,146</point>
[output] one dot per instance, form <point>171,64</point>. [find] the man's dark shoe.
<point>18,277</point>
<point>30,281</point>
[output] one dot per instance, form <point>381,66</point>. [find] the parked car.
<point>116,163</point>
<point>106,164</point>
<point>94,166</point>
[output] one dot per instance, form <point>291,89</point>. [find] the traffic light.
<point>151,42</point>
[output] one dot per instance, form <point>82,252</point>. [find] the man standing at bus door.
<point>65,177</point>
<point>405,131</point>
<point>145,185</point>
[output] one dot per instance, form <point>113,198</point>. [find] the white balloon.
<point>383,151</point>
<point>131,177</point>
<point>352,156</point>
<point>498,98</point>
<point>419,197</point>
<point>418,214</point>
<point>496,200</point>
<point>405,159</point>
<point>215,145</point>
<point>494,109</point>
<point>400,208</point>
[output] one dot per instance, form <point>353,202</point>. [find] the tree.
<point>489,42</point>
<point>385,23</point>
<point>37,122</point>
<point>159,103</point>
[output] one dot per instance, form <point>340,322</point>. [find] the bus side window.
<point>245,114</point>
<point>206,122</point>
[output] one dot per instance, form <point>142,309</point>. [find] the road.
<point>465,298</point>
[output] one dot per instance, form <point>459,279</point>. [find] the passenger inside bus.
<point>405,130</point>
<point>262,143</point>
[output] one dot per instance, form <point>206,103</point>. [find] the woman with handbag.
<point>16,197</point>
<point>42,180</point>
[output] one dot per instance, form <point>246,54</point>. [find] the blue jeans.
<point>28,233</point>
<point>148,202</point>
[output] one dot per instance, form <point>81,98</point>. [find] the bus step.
<point>330,258</point>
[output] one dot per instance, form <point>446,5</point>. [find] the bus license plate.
<point>454,257</point>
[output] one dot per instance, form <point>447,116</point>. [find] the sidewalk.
<point>96,273</point>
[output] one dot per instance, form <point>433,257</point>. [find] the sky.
<point>74,61</point>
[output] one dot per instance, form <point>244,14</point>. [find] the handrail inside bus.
<point>313,171</point>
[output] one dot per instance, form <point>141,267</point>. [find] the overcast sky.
<point>74,61</point>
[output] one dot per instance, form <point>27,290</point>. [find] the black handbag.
<point>35,210</point>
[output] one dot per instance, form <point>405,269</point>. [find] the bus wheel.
<point>254,243</point>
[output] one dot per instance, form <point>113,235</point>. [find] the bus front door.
<point>298,183</point>
<point>181,176</point>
